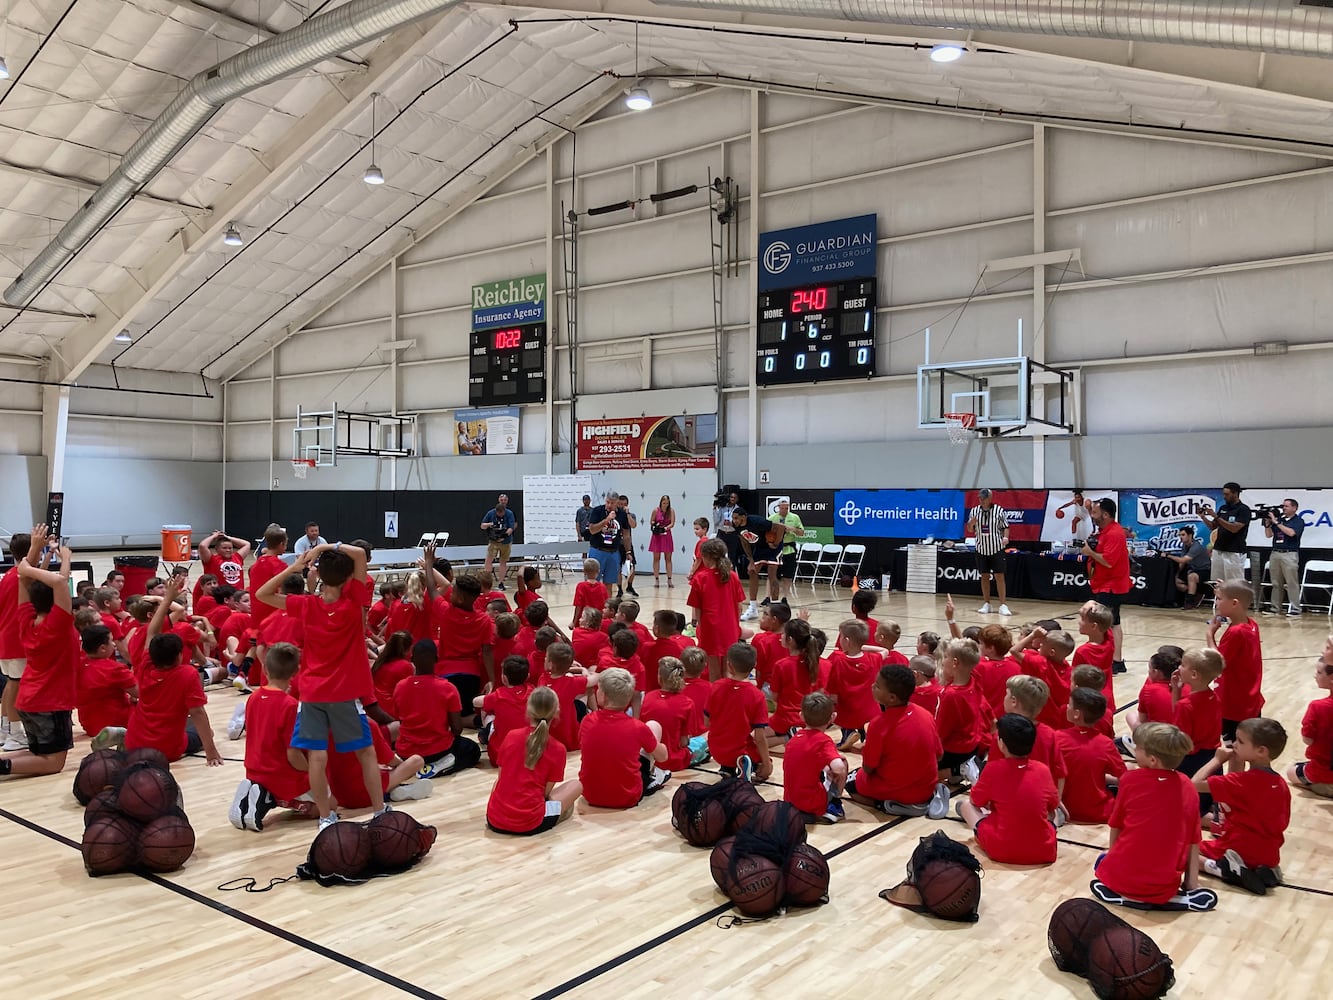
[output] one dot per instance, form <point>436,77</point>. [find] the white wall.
<point>1189,255</point>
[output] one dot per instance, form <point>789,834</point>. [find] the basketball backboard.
<point>1005,394</point>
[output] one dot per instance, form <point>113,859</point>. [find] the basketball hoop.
<point>962,427</point>
<point>302,466</point>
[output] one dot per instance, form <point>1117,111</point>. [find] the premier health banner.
<point>898,513</point>
<point>825,251</point>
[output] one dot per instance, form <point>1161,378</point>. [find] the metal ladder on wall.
<point>724,238</point>
<point>569,252</point>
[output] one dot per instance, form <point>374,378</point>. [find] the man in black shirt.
<point>1232,523</point>
<point>607,535</point>
<point>1284,564</point>
<point>762,542</point>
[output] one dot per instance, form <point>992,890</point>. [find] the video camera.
<point>722,496</point>
<point>1264,512</point>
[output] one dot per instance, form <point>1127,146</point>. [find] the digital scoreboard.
<point>507,365</point>
<point>817,333</point>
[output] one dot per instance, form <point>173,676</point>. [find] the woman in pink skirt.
<point>663,520</point>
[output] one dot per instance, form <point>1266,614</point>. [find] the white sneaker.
<point>1004,610</point>
<point>4,726</point>
<point>984,609</point>
<point>970,770</point>
<point>1061,816</point>
<point>327,821</point>
<point>418,789</point>
<point>236,725</point>
<point>750,613</point>
<point>18,739</point>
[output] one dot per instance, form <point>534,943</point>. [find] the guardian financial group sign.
<point>898,513</point>
<point>824,252</point>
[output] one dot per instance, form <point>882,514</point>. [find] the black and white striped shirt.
<point>991,525</point>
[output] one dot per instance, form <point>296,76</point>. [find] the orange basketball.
<point>166,843</point>
<point>807,876</point>
<point>755,885</point>
<point>110,845</point>
<point>1060,513</point>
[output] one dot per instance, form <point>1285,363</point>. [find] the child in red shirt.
<point>701,527</point>
<point>927,690</point>
<point>1198,713</point>
<point>1044,655</point>
<point>465,635</point>
<point>886,637</point>
<point>1012,803</point>
<point>1026,696</point>
<point>1093,764</point>
<point>267,566</point>
<point>202,600</point>
<point>530,795</point>
<point>526,585</point>
<point>667,641</point>
<point>864,602</point>
<point>106,687</point>
<point>1246,844</point>
<point>546,637</point>
<point>590,594</point>
<point>738,718</point>
<point>628,612</point>
<point>697,685</point>
<point>675,713</point>
<point>852,671</point>
<point>588,639</point>
<point>716,596</point>
<point>507,628</point>
<point>378,615</point>
<point>506,707</point>
<point>768,647</point>
<point>964,717</point>
<point>996,665</point>
<point>1094,621</point>
<point>390,667</point>
<point>793,677</point>
<point>1153,860</point>
<point>813,772</point>
<point>624,654</point>
<point>571,684</point>
<point>430,715</point>
<point>397,777</point>
<point>414,613</point>
<point>275,773</point>
<point>899,763</point>
<point>1315,773</point>
<point>620,753</point>
<point>1090,678</point>
<point>1238,689</point>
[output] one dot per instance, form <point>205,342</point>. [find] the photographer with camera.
<point>1284,525</point>
<point>499,524</point>
<point>1231,521</point>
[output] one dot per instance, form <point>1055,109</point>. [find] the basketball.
<point>101,804</point>
<point>394,841</point>
<point>1126,964</point>
<point>1074,925</point>
<point>1060,513</point>
<point>342,849</point>
<point>781,822</point>
<point>97,771</point>
<point>110,845</point>
<point>807,876</point>
<point>706,825</point>
<point>950,890</point>
<point>147,755</point>
<point>720,860</point>
<point>145,792</point>
<point>740,801</point>
<point>755,885</point>
<point>166,843</point>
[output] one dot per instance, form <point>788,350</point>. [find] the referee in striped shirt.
<point>991,527</point>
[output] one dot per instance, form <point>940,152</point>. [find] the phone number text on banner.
<point>680,442</point>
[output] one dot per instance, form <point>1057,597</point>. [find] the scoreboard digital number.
<point>817,333</point>
<point>507,366</point>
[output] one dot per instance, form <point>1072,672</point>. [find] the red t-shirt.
<point>424,702</point>
<point>218,616</point>
<point>718,603</point>
<point>165,699</point>
<point>568,688</point>
<point>849,681</point>
<point>270,724</point>
<point>518,800</point>
<point>790,683</point>
<point>1199,716</point>
<point>11,646</point>
<point>634,665</point>
<point>492,595</point>
<point>1045,750</point>
<point>1089,757</point>
<point>806,756</point>
<point>103,694</point>
<point>1157,814</point>
<point>1155,702</point>
<point>509,705</point>
<point>1056,676</point>
<point>234,628</point>
<point>678,716</point>
<point>231,571</point>
<point>900,759</point>
<point>1238,688</point>
<point>927,696</point>
<point>463,634</point>
<point>590,594</point>
<point>735,708</point>
<point>524,643</point>
<point>872,626</point>
<point>115,625</point>
<point>334,664</point>
<point>387,678</point>
<point>266,567</point>
<point>282,627</point>
<point>992,676</point>
<point>1260,804</point>
<point>1020,795</point>
<point>418,622</point>
<point>767,651</point>
<point>347,782</point>
<point>1317,726</point>
<point>651,654</point>
<point>51,646</point>
<point>525,597</point>
<point>964,718</point>
<point>203,603</point>
<point>376,616</point>
<point>1112,547</point>
<point>1100,655</point>
<point>588,644</point>
<point>699,688</point>
<point>610,761</point>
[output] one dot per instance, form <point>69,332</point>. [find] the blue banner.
<point>1156,516</point>
<point>826,251</point>
<point>510,302</point>
<point>898,514</point>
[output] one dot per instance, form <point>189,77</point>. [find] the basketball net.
<point>962,427</point>
<point>301,467</point>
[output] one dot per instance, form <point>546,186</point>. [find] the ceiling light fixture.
<point>637,97</point>
<point>947,52</point>
<point>232,237</point>
<point>373,175</point>
<point>124,337</point>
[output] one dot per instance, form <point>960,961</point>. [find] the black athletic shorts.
<point>48,732</point>
<point>990,564</point>
<point>787,568</point>
<point>1112,603</point>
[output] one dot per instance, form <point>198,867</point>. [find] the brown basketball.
<point>949,889</point>
<point>704,827</point>
<point>755,885</point>
<point>145,792</point>
<point>110,845</point>
<point>147,755</point>
<point>166,843</point>
<point>719,861</point>
<point>394,841</point>
<point>97,771</point>
<point>680,801</point>
<point>807,876</point>
<point>342,849</point>
<point>101,804</point>
<point>1126,964</point>
<point>780,822</point>
<point>1074,925</point>
<point>740,802</point>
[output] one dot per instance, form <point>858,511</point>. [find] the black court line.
<point>689,925</point>
<point>291,938</point>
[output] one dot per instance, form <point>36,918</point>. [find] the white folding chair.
<point>550,562</point>
<point>830,558</point>
<point>807,556</point>
<point>426,538</point>
<point>852,557</point>
<point>441,539</point>
<point>1317,566</point>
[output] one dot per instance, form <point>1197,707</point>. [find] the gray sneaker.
<point>939,802</point>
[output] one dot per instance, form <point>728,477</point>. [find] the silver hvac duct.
<point>1278,26</point>
<point>316,40</point>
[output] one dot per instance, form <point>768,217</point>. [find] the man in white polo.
<point>989,523</point>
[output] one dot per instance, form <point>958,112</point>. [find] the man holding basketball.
<point>762,541</point>
<point>1108,570</point>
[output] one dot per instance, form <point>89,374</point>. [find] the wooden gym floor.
<point>615,903</point>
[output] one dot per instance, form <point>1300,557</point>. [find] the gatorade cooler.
<point>138,571</point>
<point>175,543</point>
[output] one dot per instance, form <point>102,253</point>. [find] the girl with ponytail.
<point>795,676</point>
<point>716,598</point>
<point>677,713</point>
<point>530,795</point>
